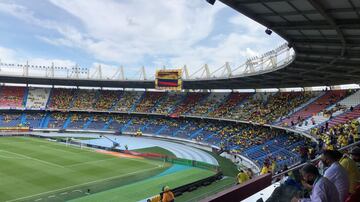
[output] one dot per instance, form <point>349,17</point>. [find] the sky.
<point>129,33</point>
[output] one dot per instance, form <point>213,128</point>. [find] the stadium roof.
<point>325,35</point>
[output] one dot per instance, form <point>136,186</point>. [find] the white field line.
<point>89,162</point>
<point>35,159</point>
<point>13,142</point>
<point>62,149</point>
<point>7,157</point>
<point>86,183</point>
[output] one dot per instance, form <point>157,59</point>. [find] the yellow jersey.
<point>242,177</point>
<point>352,171</point>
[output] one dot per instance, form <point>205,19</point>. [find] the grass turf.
<point>32,168</point>
<point>229,170</point>
<point>147,188</point>
<point>60,173</point>
<point>153,185</point>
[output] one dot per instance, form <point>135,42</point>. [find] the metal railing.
<point>269,61</point>
<point>314,160</point>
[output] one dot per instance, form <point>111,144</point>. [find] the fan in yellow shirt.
<point>352,171</point>
<point>265,169</point>
<point>342,141</point>
<point>156,198</point>
<point>242,177</point>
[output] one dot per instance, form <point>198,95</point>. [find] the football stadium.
<point>282,125</point>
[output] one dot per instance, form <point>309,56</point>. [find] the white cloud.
<point>248,25</point>
<point>13,56</point>
<point>229,50</point>
<point>7,55</point>
<point>125,32</point>
<point>49,62</point>
<point>169,31</point>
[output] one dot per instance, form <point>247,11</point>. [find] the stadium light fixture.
<point>212,2</point>
<point>268,31</point>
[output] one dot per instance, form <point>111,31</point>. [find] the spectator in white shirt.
<point>336,173</point>
<point>322,189</point>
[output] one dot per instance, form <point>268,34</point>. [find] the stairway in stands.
<point>350,101</point>
<point>345,117</point>
<point>324,101</point>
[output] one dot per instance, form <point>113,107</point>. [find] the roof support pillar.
<point>207,71</point>
<point>185,72</point>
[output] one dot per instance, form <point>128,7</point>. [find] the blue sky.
<point>134,33</point>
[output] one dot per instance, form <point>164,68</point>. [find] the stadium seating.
<point>275,107</point>
<point>136,124</point>
<point>345,117</point>
<point>98,122</point>
<point>149,101</point>
<point>78,120</point>
<point>329,98</point>
<point>12,97</point>
<point>37,98</point>
<point>156,124</point>
<point>10,119</point>
<point>334,110</point>
<point>337,135</point>
<point>56,120</point>
<point>229,103</point>
<point>255,142</point>
<point>210,103</point>
<point>61,99</point>
<point>169,102</point>
<point>128,100</point>
<point>117,122</point>
<point>106,100</point>
<point>172,127</point>
<point>190,101</point>
<point>34,120</point>
<point>84,99</point>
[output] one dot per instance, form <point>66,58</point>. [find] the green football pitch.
<point>33,169</point>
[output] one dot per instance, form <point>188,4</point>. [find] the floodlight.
<point>212,2</point>
<point>268,31</point>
